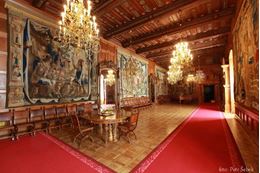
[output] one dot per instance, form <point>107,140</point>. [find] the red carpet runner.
<point>202,144</point>
<point>44,154</point>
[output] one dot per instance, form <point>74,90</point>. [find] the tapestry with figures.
<point>133,76</point>
<point>162,85</point>
<point>43,70</point>
<point>246,63</point>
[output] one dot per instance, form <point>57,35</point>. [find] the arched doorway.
<point>209,93</point>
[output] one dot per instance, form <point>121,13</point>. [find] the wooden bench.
<point>163,99</point>
<point>187,98</point>
<point>136,102</point>
<point>248,116</point>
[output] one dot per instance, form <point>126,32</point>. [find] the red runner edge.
<point>203,143</point>
<point>45,154</point>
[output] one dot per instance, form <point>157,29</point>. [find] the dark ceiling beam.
<point>102,5</point>
<point>171,8</point>
<point>177,28</point>
<point>204,35</point>
<point>194,48</point>
<point>39,3</point>
<point>107,6</point>
<point>58,4</point>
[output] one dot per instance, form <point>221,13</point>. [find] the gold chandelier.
<point>191,78</point>
<point>110,78</point>
<point>174,74</point>
<point>77,27</point>
<point>181,58</point>
<point>182,54</point>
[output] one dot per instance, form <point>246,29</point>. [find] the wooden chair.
<point>83,132</point>
<point>37,118</point>
<point>50,116</point>
<point>22,124</point>
<point>84,109</point>
<point>127,128</point>
<point>6,124</point>
<point>62,115</point>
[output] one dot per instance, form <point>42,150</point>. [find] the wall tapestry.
<point>162,85</point>
<point>245,45</point>
<point>133,76</point>
<point>41,72</point>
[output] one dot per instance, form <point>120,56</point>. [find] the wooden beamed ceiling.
<point>172,7</point>
<point>176,28</point>
<point>204,35</point>
<point>152,27</point>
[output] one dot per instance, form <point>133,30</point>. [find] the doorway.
<point>209,93</point>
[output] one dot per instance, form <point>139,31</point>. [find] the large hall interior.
<point>153,86</point>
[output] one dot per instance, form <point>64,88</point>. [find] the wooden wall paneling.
<point>3,54</point>
<point>151,67</point>
<point>2,80</point>
<point>107,52</point>
<point>3,61</point>
<point>2,7</point>
<point>3,25</point>
<point>3,44</point>
<point>2,99</point>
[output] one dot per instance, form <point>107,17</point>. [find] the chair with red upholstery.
<point>127,128</point>
<point>6,124</point>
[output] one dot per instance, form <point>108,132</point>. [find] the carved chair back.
<point>21,116</point>
<point>6,119</point>
<point>61,111</point>
<point>50,112</point>
<point>36,114</point>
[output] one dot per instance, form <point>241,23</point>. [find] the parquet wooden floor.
<point>154,125</point>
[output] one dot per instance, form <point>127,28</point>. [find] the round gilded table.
<point>108,123</point>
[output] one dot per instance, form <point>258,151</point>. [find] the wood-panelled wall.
<point>107,52</point>
<point>3,53</point>
<point>151,67</point>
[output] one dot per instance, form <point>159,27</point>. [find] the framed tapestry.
<point>133,76</point>
<point>41,71</point>
<point>246,60</point>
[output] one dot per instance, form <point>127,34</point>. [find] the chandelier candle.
<point>78,28</point>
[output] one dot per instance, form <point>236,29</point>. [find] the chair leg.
<point>127,137</point>
<point>134,135</point>
<point>86,137</point>
<point>16,137</point>
<point>90,137</point>
<point>83,138</point>
<point>12,135</point>
<point>75,138</point>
